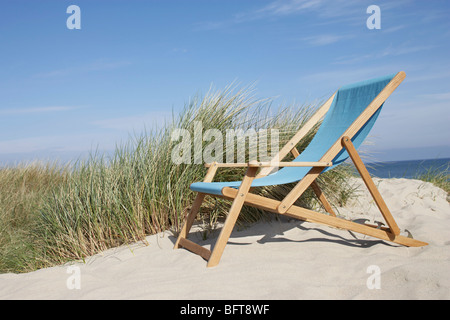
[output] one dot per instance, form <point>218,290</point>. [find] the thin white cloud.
<point>336,78</point>
<point>136,122</point>
<point>325,39</point>
<point>100,65</point>
<point>50,142</point>
<point>391,51</point>
<point>16,111</point>
<point>283,7</point>
<point>393,29</point>
<point>71,145</point>
<point>328,12</point>
<point>437,96</point>
<point>431,75</point>
<point>405,49</point>
<point>274,9</point>
<point>179,50</point>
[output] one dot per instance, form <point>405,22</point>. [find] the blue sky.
<point>65,92</point>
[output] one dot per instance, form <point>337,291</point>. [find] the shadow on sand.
<point>274,231</point>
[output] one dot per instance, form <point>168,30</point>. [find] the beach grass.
<point>437,175</point>
<point>51,214</point>
<point>23,190</point>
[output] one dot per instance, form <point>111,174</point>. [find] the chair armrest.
<point>291,164</point>
<point>269,164</point>
<point>227,165</point>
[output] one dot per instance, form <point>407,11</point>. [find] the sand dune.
<point>283,259</point>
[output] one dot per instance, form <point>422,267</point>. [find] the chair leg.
<point>190,218</point>
<point>322,198</point>
<point>196,206</point>
<point>235,209</point>
<point>364,173</point>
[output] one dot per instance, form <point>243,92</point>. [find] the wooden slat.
<point>272,164</point>
<point>195,207</point>
<point>195,248</point>
<point>295,152</point>
<point>232,217</point>
<point>312,216</point>
<point>228,165</point>
<point>209,177</point>
<point>291,164</point>
<point>322,198</point>
<point>190,218</point>
<point>347,143</point>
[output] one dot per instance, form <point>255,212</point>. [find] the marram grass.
<point>52,214</point>
<point>439,176</point>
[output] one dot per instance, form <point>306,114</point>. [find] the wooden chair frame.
<point>243,196</point>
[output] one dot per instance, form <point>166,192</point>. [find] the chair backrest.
<point>348,104</point>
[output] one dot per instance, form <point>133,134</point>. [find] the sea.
<point>409,169</point>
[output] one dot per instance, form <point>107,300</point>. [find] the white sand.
<point>277,260</point>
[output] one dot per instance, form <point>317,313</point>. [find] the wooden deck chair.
<point>348,117</point>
